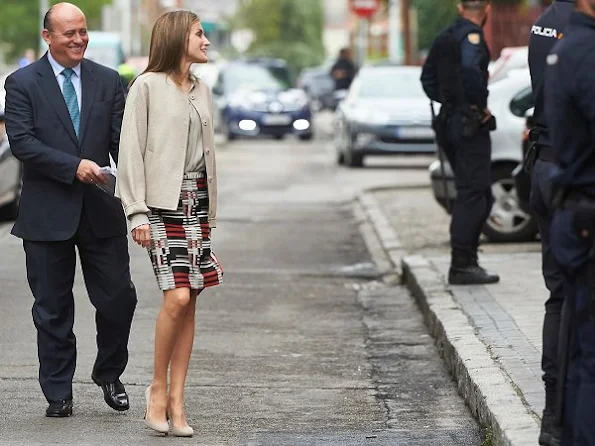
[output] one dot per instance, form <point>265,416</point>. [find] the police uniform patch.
<point>474,38</point>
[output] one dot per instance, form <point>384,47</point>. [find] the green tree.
<point>433,16</point>
<point>20,27</point>
<point>288,29</point>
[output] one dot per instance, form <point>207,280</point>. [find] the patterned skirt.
<point>180,248</point>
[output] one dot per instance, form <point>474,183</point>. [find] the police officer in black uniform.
<point>456,75</point>
<point>570,117</point>
<point>546,31</point>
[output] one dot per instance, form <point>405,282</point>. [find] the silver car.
<point>385,112</point>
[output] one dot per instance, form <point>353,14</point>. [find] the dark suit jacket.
<point>42,136</point>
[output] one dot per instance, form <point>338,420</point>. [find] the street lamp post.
<point>44,5</point>
<point>395,43</point>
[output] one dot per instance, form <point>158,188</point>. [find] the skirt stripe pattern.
<point>180,248</point>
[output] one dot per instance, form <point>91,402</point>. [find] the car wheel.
<point>340,157</point>
<point>353,159</point>
<point>507,221</point>
<point>350,158</point>
<point>306,137</point>
<point>279,137</point>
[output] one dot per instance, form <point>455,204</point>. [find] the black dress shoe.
<point>60,408</point>
<point>114,394</point>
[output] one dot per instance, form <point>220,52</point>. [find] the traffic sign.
<point>364,8</point>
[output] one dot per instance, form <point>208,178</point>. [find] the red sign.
<point>364,8</point>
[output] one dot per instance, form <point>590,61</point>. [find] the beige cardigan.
<point>153,146</point>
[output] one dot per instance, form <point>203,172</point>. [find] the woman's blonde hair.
<point>169,40</point>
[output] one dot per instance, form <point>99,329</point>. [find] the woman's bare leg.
<point>168,328</point>
<point>179,364</point>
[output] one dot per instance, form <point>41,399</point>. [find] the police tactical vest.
<point>442,78</point>
<point>546,31</point>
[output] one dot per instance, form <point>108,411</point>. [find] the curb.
<point>383,229</point>
<point>485,387</point>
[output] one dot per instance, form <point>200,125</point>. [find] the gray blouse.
<point>195,160</point>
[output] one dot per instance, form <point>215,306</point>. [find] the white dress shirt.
<point>75,79</point>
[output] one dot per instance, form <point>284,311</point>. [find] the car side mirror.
<point>218,90</point>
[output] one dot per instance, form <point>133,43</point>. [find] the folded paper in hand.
<point>108,187</point>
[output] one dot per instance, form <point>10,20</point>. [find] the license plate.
<point>414,133</point>
<point>276,119</point>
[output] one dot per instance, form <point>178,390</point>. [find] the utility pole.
<point>405,14</point>
<point>362,53</point>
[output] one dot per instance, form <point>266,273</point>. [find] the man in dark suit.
<point>63,118</point>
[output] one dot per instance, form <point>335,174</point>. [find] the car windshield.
<point>389,83</point>
<point>252,77</point>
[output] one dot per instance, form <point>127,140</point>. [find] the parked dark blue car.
<point>256,99</point>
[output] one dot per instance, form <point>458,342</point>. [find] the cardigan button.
<point>192,97</point>
<point>207,151</point>
<point>211,180</point>
<point>204,122</point>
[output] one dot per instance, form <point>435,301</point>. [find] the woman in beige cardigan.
<point>168,186</point>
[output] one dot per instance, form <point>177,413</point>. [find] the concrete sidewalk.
<point>489,336</point>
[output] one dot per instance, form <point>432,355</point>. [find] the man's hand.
<point>88,172</point>
<point>142,235</point>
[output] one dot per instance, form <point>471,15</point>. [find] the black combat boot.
<point>550,431</point>
<point>465,269</point>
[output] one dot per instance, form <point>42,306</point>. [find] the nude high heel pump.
<point>184,431</point>
<point>159,426</point>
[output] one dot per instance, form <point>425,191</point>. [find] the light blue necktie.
<point>71,100</point>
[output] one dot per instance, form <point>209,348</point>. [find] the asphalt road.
<point>306,343</point>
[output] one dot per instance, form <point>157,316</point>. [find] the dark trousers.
<point>50,272</point>
<point>541,204</point>
<point>575,256</point>
<point>470,160</point>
